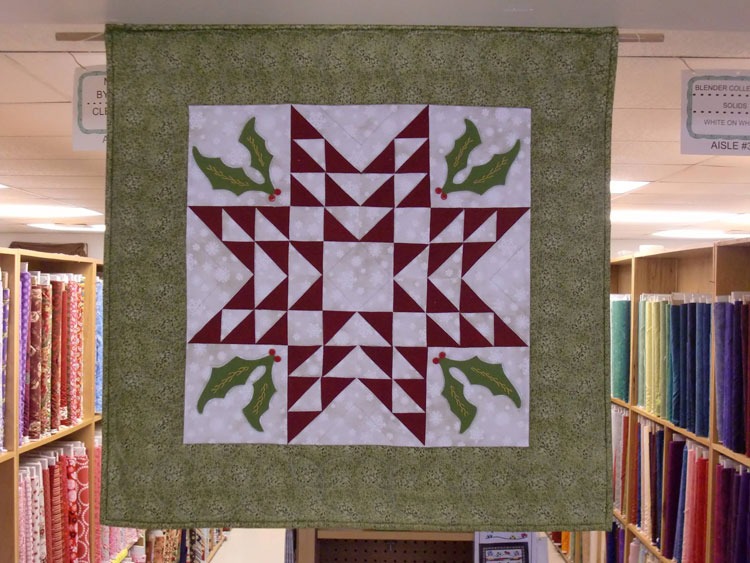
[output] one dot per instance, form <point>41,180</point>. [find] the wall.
<point>94,240</point>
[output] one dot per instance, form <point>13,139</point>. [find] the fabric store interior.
<point>678,272</point>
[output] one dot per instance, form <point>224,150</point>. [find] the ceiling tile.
<point>684,190</point>
<point>21,87</point>
<point>645,172</point>
<point>56,70</point>
<point>646,125</point>
<point>34,120</point>
<point>739,161</point>
<point>718,174</point>
<point>52,167</point>
<point>650,152</point>
<point>644,82</point>
<point>54,182</point>
<point>44,148</point>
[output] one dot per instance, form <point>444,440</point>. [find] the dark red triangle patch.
<point>331,387</point>
<point>440,218</point>
<point>243,333</point>
<point>301,161</point>
<point>334,231</point>
<point>419,161</point>
<point>211,217</point>
<point>507,217</point>
<point>278,251</point>
<point>382,356</point>
<point>419,127</point>
<point>210,333</point>
<point>381,388</point>
<point>403,302</point>
<point>419,196</point>
<point>384,163</point>
<point>278,216</point>
<point>381,322</point>
<point>243,251</point>
<point>244,217</point>
<point>312,251</point>
<point>332,355</point>
<point>312,299</point>
<point>474,217</point>
<point>278,299</point>
<point>473,251</point>
<point>277,334</point>
<point>437,302</point>
<point>336,196</point>
<point>414,421</point>
<point>416,389</point>
<point>382,231</point>
<point>470,302</point>
<point>244,298</point>
<point>301,128</point>
<point>471,337</point>
<point>404,253</point>
<point>439,253</point>
<point>417,357</point>
<point>296,387</point>
<point>301,196</point>
<point>383,196</point>
<point>504,336</point>
<point>296,422</point>
<point>436,336</point>
<point>336,163</point>
<point>333,321</point>
<point>297,355</point>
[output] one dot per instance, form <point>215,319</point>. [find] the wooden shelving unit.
<point>718,269</point>
<point>10,261</point>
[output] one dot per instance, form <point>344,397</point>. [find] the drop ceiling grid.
<point>37,160</point>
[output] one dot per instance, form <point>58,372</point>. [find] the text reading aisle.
<point>681,414</point>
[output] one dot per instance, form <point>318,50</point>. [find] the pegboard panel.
<point>395,551</point>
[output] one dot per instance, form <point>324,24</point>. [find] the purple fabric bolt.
<point>719,313</point>
<point>23,354</point>
<point>737,416</point>
<point>674,471</point>
<point>6,314</point>
<point>740,555</point>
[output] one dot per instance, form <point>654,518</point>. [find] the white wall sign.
<point>716,112</point>
<point>90,109</point>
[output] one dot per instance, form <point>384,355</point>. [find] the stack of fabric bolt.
<point>620,419</point>
<point>4,319</point>
<point>51,353</point>
<point>54,503</point>
<point>731,514</point>
<point>619,326</point>
<point>732,369</point>
<point>650,450</point>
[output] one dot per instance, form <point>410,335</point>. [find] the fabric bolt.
<point>668,372</point>
<point>690,502</point>
<point>76,353</point>
<point>57,514</point>
<point>71,543</point>
<point>620,348</point>
<point>737,395</point>
<point>680,525</point>
<point>23,353</point>
<point>702,354</point>
<point>45,408</point>
<point>47,498</point>
<point>691,362</point>
<point>96,549</point>
<point>4,360</point>
<point>22,518</point>
<point>676,342</point>
<point>719,320</point>
<point>673,474</point>
<point>746,379</point>
<point>99,367</point>
<point>659,477</point>
<point>718,514</point>
<point>743,520</point>
<point>653,484</point>
<point>701,515</point>
<point>82,508</point>
<point>35,363</point>
<point>728,340</point>
<point>642,313</point>
<point>64,332</point>
<point>57,289</point>
<point>650,353</point>
<point>663,357</point>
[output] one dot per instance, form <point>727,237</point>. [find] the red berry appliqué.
<point>277,191</point>
<point>438,190</point>
<point>435,361</point>
<point>443,196</point>
<point>272,352</point>
<point>441,355</point>
<point>277,359</point>
<point>271,197</point>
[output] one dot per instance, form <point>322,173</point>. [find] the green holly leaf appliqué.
<point>478,372</point>
<point>480,178</point>
<point>236,372</point>
<point>223,177</point>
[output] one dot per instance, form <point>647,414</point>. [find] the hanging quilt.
<point>357,277</point>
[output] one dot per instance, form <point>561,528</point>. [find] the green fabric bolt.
<point>151,479</point>
<point>664,372</point>
<point>641,353</point>
<point>620,347</point>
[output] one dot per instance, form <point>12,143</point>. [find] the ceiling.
<point>37,162</point>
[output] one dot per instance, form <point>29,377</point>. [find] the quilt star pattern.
<point>358,275</point>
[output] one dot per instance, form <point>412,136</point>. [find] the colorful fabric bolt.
<point>620,346</point>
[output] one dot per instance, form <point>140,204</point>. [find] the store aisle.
<point>252,546</point>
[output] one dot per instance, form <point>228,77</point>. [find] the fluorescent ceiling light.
<point>3,187</point>
<point>622,186</point>
<point>741,218</point>
<point>708,234</point>
<point>654,216</point>
<point>75,228</point>
<point>44,211</point>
